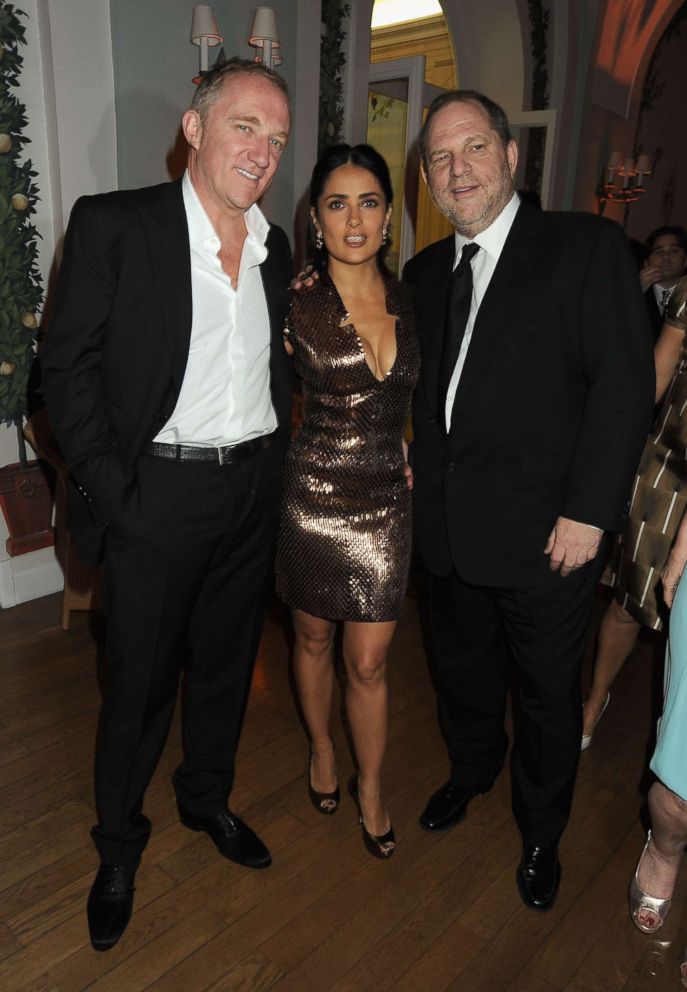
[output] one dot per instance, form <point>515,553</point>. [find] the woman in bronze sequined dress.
<point>344,547</point>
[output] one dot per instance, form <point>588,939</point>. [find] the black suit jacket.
<point>554,402</point>
<point>117,346</point>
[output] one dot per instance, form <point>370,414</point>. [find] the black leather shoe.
<point>539,876</point>
<point>110,902</point>
<point>232,838</point>
<point>446,807</point>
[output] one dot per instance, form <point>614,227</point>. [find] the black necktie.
<point>460,297</point>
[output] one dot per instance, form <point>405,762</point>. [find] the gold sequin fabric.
<point>659,496</point>
<point>345,537</point>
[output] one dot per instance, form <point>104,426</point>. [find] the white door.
<point>397,97</point>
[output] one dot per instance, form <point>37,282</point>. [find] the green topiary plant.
<point>20,282</point>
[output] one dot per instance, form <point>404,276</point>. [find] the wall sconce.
<point>623,180</point>
<point>264,37</point>
<point>204,33</point>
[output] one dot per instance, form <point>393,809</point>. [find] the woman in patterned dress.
<point>658,501</point>
<point>345,537</point>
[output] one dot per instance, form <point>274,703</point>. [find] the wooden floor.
<point>442,914</point>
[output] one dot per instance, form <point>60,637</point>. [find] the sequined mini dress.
<point>345,536</point>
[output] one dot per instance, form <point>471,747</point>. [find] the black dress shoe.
<point>232,838</point>
<point>446,807</point>
<point>110,902</point>
<point>539,876</point>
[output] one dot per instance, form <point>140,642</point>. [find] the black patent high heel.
<point>380,846</point>
<point>326,803</point>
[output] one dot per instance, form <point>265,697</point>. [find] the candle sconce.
<point>623,179</point>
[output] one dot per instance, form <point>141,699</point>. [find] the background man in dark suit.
<point>665,261</point>
<point>168,388</point>
<point>535,398</point>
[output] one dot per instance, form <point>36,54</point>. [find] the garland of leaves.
<point>539,26</point>
<point>332,62</point>
<point>20,282</point>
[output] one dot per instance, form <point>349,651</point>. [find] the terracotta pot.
<point>26,498</point>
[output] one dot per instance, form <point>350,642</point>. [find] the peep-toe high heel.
<point>642,902</point>
<point>326,803</point>
<point>379,845</point>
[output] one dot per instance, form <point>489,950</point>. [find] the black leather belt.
<point>225,454</point>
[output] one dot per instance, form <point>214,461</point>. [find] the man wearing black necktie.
<point>665,261</point>
<point>534,402</point>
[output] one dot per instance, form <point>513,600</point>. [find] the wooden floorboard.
<point>443,914</point>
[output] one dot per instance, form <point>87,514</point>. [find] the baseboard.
<point>29,576</point>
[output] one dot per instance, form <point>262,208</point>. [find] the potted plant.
<point>25,494</point>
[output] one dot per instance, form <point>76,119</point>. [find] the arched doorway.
<point>486,54</point>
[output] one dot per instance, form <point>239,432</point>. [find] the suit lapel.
<point>497,310</point>
<point>273,283</point>
<point>166,232</point>
<point>434,303</point>
<point>275,271</point>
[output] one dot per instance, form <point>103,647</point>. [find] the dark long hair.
<point>363,157</point>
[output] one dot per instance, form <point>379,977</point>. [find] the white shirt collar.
<point>493,238</point>
<point>200,227</point>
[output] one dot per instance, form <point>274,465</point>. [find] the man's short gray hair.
<point>212,83</point>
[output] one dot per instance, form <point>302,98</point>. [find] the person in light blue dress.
<point>651,887</point>
<point>669,761</point>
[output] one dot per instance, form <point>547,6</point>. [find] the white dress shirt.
<point>491,242</point>
<point>225,396</point>
<point>662,295</point>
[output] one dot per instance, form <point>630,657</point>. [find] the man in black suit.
<point>168,388</point>
<point>665,261</point>
<point>535,398</point>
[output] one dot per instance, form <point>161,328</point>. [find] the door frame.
<point>547,119</point>
<point>420,95</point>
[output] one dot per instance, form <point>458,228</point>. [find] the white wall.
<point>154,63</point>
<point>84,97</point>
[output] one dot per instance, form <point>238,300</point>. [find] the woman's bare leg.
<point>365,647</point>
<point>313,663</point>
<point>661,862</point>
<point>618,635</point>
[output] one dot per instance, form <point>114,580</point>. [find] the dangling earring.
<point>319,240</point>
<point>384,235</point>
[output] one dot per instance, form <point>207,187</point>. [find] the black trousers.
<point>476,633</point>
<point>185,576</point>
